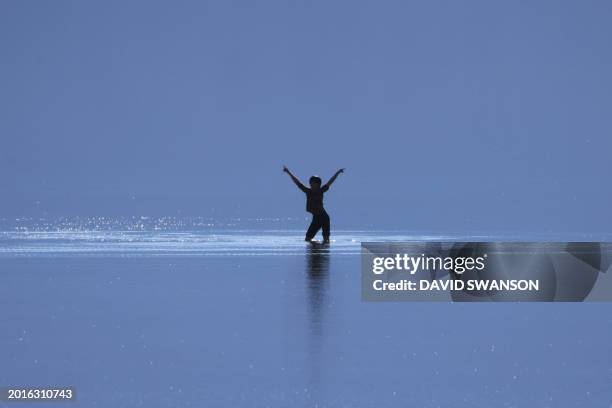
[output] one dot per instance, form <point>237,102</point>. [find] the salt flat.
<point>239,319</point>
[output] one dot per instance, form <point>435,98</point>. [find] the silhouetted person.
<point>314,203</point>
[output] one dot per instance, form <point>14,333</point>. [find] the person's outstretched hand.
<point>340,171</point>
<point>285,169</point>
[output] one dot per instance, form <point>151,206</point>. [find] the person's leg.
<point>325,223</point>
<point>314,227</point>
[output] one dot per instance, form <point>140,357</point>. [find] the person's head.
<point>315,182</point>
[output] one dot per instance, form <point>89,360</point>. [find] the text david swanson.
<point>411,264</point>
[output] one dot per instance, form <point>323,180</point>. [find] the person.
<point>314,203</point>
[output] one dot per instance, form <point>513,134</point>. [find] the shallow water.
<point>230,242</point>
<point>194,243</point>
<point>237,319</point>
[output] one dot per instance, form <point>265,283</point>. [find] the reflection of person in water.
<point>314,203</point>
<point>317,274</point>
<point>317,306</point>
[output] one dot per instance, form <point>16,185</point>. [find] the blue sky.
<point>476,115</point>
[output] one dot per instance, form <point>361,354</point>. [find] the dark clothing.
<point>314,200</point>
<point>319,220</point>
<point>314,205</point>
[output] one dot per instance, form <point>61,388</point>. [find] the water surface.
<point>262,319</point>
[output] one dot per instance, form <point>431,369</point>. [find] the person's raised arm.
<point>331,180</point>
<point>296,180</point>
